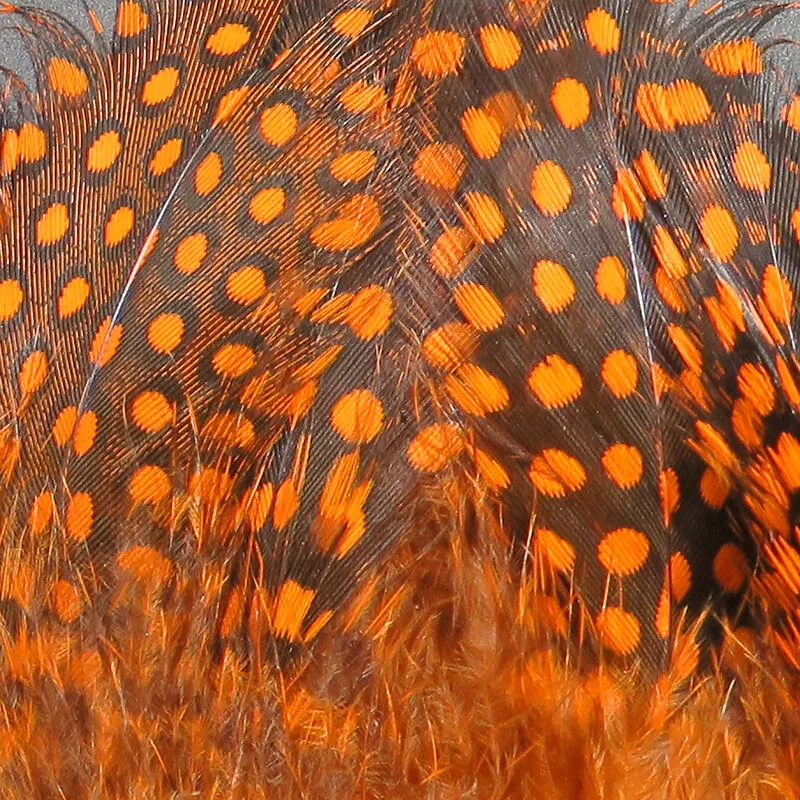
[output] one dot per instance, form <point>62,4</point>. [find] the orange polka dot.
<point>450,250</point>
<point>104,151</point>
<point>11,298</point>
<point>738,57</point>
<point>623,551</point>
<point>145,564</point>
<point>190,253</point>
<point>719,232</point>
<point>602,31</point>
<point>623,464</point>
<point>267,205</point>
<point>67,78</point>
<point>166,157</point>
<point>80,516</point>
<point>287,501</point>
<point>233,360</point>
<point>351,23</point>
<point>356,223</point>
<point>652,179</point>
<point>64,425</point>
<point>160,86</point>
<point>165,332</point>
<point>669,494</point>
<point>787,459</point>
<point>149,484</point>
<point>278,124</point>
<point>501,46</point>
<point>755,384</point>
<point>680,576</point>
<point>668,255</point>
<point>151,411</point>
<point>687,347</point>
<point>353,166</point>
<point>84,434</point>
<point>228,39</point>
<point>778,294</point>
<point>362,97</point>
<point>571,102</point>
<point>553,286</point>
<point>369,313</point>
<point>438,53</point>
<point>730,568</point>
<point>610,280</point>
<point>67,601</point>
<point>479,305</point>
<point>229,102</point>
<point>627,196</point>
<point>52,225</point>
<point>555,550</point>
<point>31,143</point>
<point>73,297</point>
<point>484,219</point>
<point>41,513</point>
<point>9,152</point>
<point>476,391</point>
<point>620,373</point>
<point>619,630</point>
<point>450,345</point>
<point>105,343</point>
<point>291,607</point>
<point>118,226</point>
<point>208,174</point>
<point>246,285</point>
<point>441,165</point>
<point>483,132</point>
<point>712,489</point>
<point>357,416</point>
<point>554,473</point>
<point>131,19</point>
<point>434,447</point>
<point>555,382</point>
<point>751,168</point>
<point>33,372</point>
<point>551,190</point>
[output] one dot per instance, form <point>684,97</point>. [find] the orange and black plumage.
<point>399,399</point>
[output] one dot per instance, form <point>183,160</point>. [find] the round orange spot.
<point>479,305</point>
<point>41,513</point>
<point>680,576</point>
<point>712,489</point>
<point>190,253</point>
<point>267,205</point>
<point>571,102</point>
<point>450,345</point>
<point>166,157</point>
<point>669,494</point>
<point>449,251</point>
<point>119,225</point>
<point>103,151</point>
<point>11,298</point>
<point>151,411</point>
<point>145,564</point>
<point>438,53</point>
<point>160,86</point>
<point>602,31</point>
<point>484,219</point>
<point>228,39</point>
<point>9,151</point>
<point>668,255</point>
<point>149,484</point>
<point>751,168</point>
<point>483,132</point>
<point>33,372</point>
<point>556,474</point>
<point>623,464</point>
<point>551,190</point>
<point>687,347</point>
<point>501,46</point>
<point>556,551</point>
<point>66,78</point>
<point>623,551</point>
<point>787,458</point>
<point>131,19</point>
<point>555,382</point>
<point>351,23</point>
<point>229,102</point>
<point>627,196</point>
<point>619,630</point>
<point>353,166</point>
<point>476,391</point>
<point>620,373</point>
<point>610,280</point>
<point>84,434</point>
<point>31,143</point>
<point>357,416</point>
<point>778,294</point>
<point>434,447</point>
<point>67,601</point>
<point>369,313</point>
<point>64,425</point>
<point>73,297</point>
<point>80,516</point>
<point>441,165</point>
<point>747,424</point>
<point>653,180</point>
<point>165,332</point>
<point>105,343</point>
<point>208,174</point>
<point>246,285</point>
<point>730,567</point>
<point>755,385</point>
<point>553,286</point>
<point>362,97</point>
<point>52,225</point>
<point>358,219</point>
<point>233,360</point>
<point>737,57</point>
<point>278,124</point>
<point>719,232</point>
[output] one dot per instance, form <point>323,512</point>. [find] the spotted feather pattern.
<point>268,271</point>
